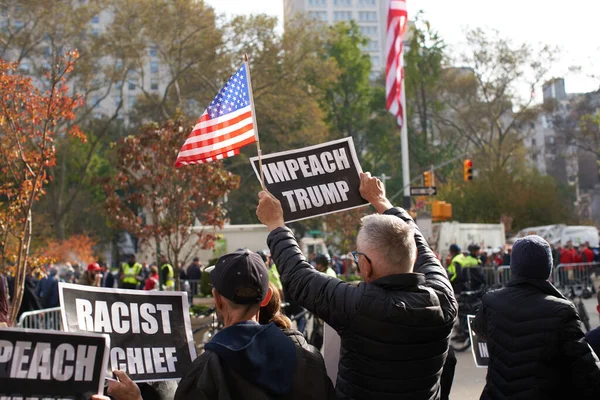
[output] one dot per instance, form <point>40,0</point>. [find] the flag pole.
<point>404,146</point>
<point>262,177</point>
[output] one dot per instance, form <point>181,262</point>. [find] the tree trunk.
<point>21,271</point>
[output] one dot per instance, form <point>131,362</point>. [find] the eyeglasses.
<point>355,254</point>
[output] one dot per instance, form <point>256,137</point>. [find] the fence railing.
<point>48,318</point>
<point>574,274</point>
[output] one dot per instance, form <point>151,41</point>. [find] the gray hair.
<point>391,239</point>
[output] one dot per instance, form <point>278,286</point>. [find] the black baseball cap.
<point>241,277</point>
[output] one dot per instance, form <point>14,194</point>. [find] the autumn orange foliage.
<point>76,249</point>
<point>31,115</point>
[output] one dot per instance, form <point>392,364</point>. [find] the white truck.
<point>485,235</point>
<point>561,233</point>
<point>233,237</point>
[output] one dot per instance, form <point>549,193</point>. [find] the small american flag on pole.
<point>227,124</point>
<point>394,73</point>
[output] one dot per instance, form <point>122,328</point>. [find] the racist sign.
<point>315,180</point>
<point>150,332</point>
<point>479,347</point>
<point>40,364</point>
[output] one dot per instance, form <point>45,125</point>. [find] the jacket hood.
<point>262,354</point>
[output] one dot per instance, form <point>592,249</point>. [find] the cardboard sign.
<point>315,180</point>
<point>150,332</point>
<point>331,352</point>
<point>478,346</point>
<point>40,364</point>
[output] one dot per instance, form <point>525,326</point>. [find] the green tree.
<point>289,76</point>
<point>347,100</point>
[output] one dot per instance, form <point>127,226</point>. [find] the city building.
<point>370,15</point>
<point>556,147</point>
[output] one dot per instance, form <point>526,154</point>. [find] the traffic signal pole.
<point>407,183</point>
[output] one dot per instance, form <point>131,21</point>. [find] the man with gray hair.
<point>394,327</point>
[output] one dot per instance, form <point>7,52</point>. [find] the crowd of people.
<point>394,326</point>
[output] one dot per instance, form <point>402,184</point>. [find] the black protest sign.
<point>479,346</point>
<point>150,332</point>
<point>40,364</point>
<point>314,180</point>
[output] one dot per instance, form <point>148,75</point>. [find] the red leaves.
<point>29,120</point>
<point>171,200</point>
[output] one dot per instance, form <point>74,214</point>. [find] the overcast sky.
<point>572,26</point>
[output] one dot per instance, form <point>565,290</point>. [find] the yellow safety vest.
<point>131,273</point>
<point>460,259</point>
<point>170,282</point>
<point>471,261</point>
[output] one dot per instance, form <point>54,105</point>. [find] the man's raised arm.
<point>329,298</point>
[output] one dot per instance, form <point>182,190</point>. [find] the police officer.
<point>166,274</point>
<point>130,273</point>
<point>457,261</point>
<point>473,277</point>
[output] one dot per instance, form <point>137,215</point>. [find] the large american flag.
<point>394,72</point>
<point>225,126</point>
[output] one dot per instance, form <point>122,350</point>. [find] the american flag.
<point>225,126</point>
<point>394,73</point>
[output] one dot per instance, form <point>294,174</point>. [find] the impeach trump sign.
<point>150,332</point>
<point>43,364</point>
<point>314,180</point>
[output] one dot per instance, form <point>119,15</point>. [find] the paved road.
<point>470,380</point>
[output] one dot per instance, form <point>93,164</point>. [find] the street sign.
<point>423,191</point>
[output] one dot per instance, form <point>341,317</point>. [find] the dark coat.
<point>394,331</point>
<point>257,362</point>
<point>535,344</point>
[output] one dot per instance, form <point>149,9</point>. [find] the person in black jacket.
<point>245,360</point>
<point>394,327</point>
<point>533,334</point>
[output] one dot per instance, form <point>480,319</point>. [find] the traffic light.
<point>468,170</point>
<point>427,178</point>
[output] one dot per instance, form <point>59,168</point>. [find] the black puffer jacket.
<point>257,362</point>
<point>394,331</point>
<point>535,345</point>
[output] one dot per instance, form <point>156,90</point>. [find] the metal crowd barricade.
<point>491,276</point>
<point>503,275</point>
<point>574,274</point>
<point>48,318</point>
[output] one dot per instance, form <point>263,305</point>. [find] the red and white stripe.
<point>394,72</point>
<point>218,138</point>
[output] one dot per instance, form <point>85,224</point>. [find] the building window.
<point>375,61</point>
<point>47,51</point>
<point>154,67</point>
<point>367,16</point>
<point>153,51</point>
<point>131,102</point>
<point>95,19</point>
<point>119,64</point>
<point>368,30</point>
<point>316,3</point>
<point>95,101</point>
<point>366,3</point>
<point>18,24</point>
<point>119,85</point>
<point>341,3</point>
<point>131,85</point>
<point>342,15</point>
<point>318,15</point>
<point>95,31</point>
<point>154,83</point>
